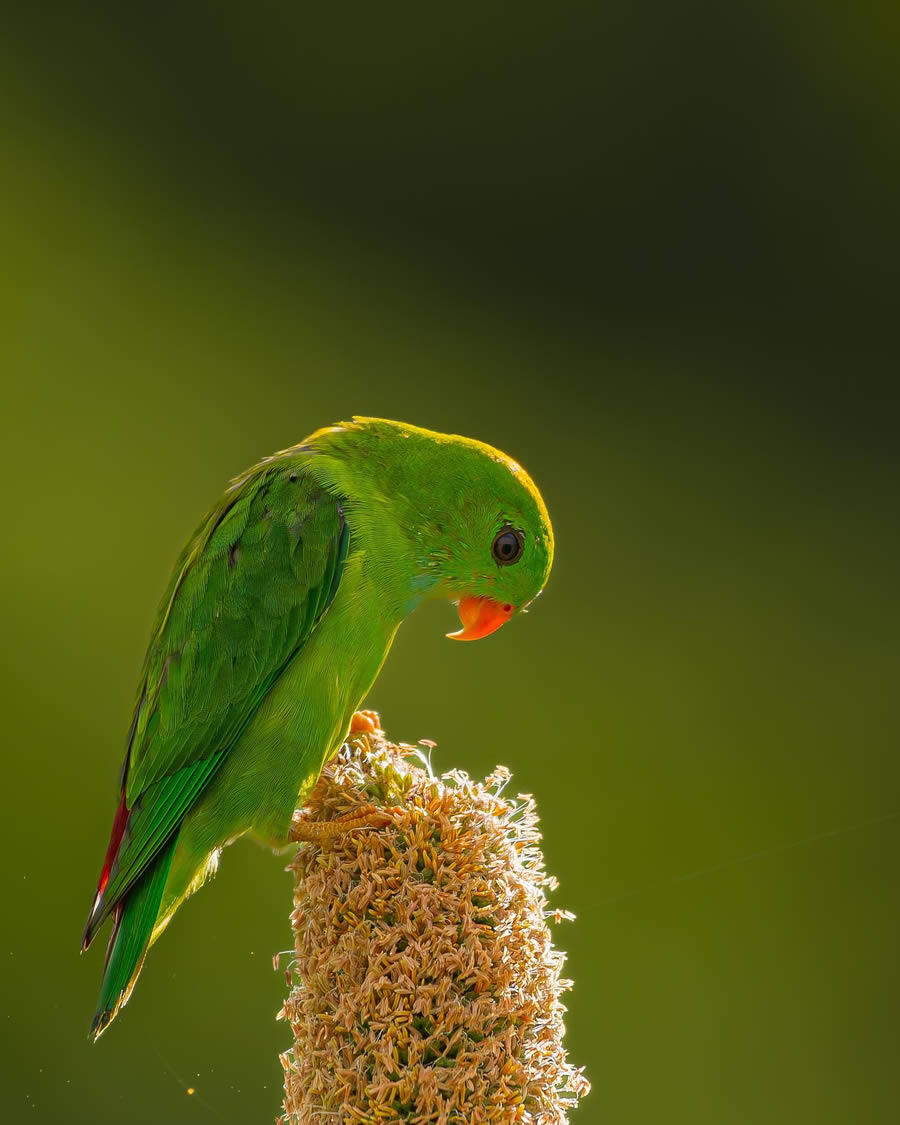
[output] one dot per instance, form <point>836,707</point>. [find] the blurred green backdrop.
<point>650,250</point>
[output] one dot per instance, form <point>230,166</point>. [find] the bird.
<point>276,621</point>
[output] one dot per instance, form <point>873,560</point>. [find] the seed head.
<point>427,988</point>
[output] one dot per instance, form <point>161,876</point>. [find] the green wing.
<point>244,597</point>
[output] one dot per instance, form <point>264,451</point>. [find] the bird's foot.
<point>365,816</point>
<point>365,722</point>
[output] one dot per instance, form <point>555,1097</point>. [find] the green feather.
<point>234,616</point>
<point>129,941</point>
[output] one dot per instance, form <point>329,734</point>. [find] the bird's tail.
<point>135,918</point>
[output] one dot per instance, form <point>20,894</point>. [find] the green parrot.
<point>277,619</point>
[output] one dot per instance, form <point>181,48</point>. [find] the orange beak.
<point>480,617</point>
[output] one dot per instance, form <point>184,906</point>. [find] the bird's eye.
<point>507,546</point>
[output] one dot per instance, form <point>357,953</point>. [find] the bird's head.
<point>475,528</point>
<point>494,554</point>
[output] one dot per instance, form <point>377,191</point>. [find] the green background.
<point>649,249</point>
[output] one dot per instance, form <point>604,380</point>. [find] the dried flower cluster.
<point>426,986</point>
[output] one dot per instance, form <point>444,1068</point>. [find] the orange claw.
<point>365,722</point>
<point>304,830</point>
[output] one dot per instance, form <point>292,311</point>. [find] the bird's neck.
<point>382,535</point>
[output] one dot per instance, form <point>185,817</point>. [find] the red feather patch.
<point>115,839</point>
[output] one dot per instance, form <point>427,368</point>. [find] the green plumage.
<point>131,936</point>
<point>276,621</point>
